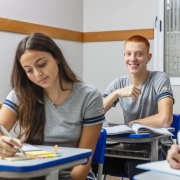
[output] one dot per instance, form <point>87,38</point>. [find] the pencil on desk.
<point>55,149</point>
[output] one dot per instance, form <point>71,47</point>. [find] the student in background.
<point>50,104</point>
<point>173,157</point>
<point>145,97</point>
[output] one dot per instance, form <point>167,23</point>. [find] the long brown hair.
<point>31,111</point>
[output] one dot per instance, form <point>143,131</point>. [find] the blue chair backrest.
<point>99,152</point>
<point>176,124</point>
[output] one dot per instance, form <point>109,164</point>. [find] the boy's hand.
<point>130,91</point>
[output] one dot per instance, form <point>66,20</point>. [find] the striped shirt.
<point>156,87</point>
<point>83,107</point>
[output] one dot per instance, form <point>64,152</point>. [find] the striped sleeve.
<point>94,120</point>
<point>94,113</point>
<point>163,86</point>
<point>11,102</point>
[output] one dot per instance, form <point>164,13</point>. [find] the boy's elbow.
<point>167,121</point>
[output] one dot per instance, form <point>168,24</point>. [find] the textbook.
<point>159,166</point>
<point>135,128</point>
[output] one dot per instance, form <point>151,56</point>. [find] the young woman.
<point>49,103</point>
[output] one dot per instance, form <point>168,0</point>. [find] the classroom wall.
<point>57,13</point>
<point>103,61</point>
<point>98,63</point>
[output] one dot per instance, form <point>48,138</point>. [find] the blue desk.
<point>48,167</point>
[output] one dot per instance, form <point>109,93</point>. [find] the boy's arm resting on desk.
<point>89,137</point>
<point>163,118</point>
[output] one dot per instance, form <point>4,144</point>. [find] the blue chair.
<point>176,125</point>
<point>99,153</point>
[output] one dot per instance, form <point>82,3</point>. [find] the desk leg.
<point>53,175</point>
<point>154,150</point>
<point>100,170</point>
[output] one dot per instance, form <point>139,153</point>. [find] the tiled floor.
<point>114,178</point>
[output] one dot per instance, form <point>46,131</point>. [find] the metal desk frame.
<point>152,140</point>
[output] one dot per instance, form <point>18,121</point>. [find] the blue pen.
<point>7,134</point>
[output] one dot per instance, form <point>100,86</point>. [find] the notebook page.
<point>29,147</point>
<point>137,127</point>
<point>120,129</point>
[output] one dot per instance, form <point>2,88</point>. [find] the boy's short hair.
<point>138,38</point>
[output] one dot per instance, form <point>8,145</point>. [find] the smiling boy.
<point>144,96</point>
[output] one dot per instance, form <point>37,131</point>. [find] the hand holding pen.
<point>173,156</point>
<point>9,145</point>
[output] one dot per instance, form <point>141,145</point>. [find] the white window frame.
<point>159,39</point>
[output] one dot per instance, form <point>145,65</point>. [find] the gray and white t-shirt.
<point>156,87</point>
<point>84,107</point>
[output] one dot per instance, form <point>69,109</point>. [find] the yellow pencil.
<point>55,149</point>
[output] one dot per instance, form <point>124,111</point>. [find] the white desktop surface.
<point>152,175</point>
<point>161,167</point>
<point>48,167</point>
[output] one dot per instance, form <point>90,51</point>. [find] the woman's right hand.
<point>8,146</point>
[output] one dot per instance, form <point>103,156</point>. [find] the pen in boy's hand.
<point>5,132</point>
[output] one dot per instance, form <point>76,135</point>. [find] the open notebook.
<point>29,147</point>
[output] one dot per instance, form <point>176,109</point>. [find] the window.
<point>167,38</point>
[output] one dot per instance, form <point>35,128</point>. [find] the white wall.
<point>103,61</point>
<point>98,63</point>
<point>66,14</point>
<point>58,13</point>
<point>104,15</point>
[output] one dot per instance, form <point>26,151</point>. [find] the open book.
<point>135,128</point>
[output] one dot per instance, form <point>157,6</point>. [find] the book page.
<point>138,127</point>
<point>120,129</point>
<point>29,147</point>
